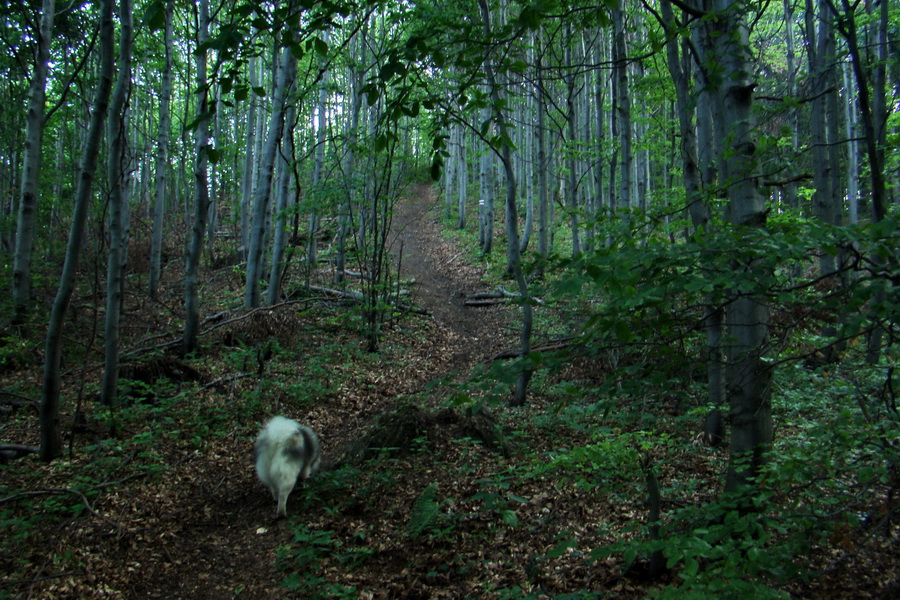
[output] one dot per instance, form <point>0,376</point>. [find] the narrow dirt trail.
<point>206,530</point>
<point>443,278</point>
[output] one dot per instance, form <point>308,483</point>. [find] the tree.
<point>31,163</point>
<point>117,174</point>
<point>201,187</point>
<point>514,256</point>
<point>286,73</point>
<point>749,374</point>
<point>50,391</point>
<point>162,154</point>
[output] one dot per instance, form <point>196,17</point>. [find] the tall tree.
<point>162,156</point>
<point>286,73</point>
<point>514,256</point>
<point>51,446</point>
<point>117,173</point>
<point>31,162</point>
<point>749,375</point>
<point>201,187</point>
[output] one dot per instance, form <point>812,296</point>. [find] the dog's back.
<point>285,452</point>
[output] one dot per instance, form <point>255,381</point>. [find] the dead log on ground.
<point>398,431</point>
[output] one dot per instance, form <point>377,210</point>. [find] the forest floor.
<point>171,507</point>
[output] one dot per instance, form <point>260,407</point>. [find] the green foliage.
<point>303,557</point>
<point>496,499</point>
<point>424,511</point>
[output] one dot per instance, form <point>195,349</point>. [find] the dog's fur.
<point>285,452</point>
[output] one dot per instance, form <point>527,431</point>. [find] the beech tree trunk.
<point>514,257</point>
<point>31,164</point>
<point>284,80</point>
<point>201,190</point>
<point>749,375</point>
<point>162,159</point>
<point>51,446</point>
<point>118,199</point>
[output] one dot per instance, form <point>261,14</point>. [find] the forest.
<point>585,299</point>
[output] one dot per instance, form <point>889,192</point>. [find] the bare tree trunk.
<point>542,166</point>
<point>319,166</point>
<point>571,120</point>
<point>201,190</point>
<point>285,178</point>
<point>623,107</point>
<point>462,173</point>
<point>284,80</point>
<point>820,50</point>
<point>749,376</point>
<point>249,163</point>
<point>790,190</point>
<point>162,159</point>
<point>51,446</point>
<point>31,165</point>
<point>118,199</point>
<point>512,226</point>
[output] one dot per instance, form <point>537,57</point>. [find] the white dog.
<point>285,452</point>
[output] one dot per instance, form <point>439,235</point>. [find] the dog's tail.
<point>303,446</point>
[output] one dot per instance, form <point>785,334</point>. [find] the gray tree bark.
<point>284,80</point>
<point>31,164</point>
<point>749,375</point>
<point>51,446</point>
<point>117,174</point>
<point>162,159</point>
<point>201,190</point>
<point>514,257</point>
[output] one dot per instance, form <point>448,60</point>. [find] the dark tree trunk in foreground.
<point>51,446</point>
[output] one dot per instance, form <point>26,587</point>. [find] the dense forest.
<point>584,299</point>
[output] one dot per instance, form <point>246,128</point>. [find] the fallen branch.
<point>498,297</point>
<point>14,451</point>
<point>485,302</point>
<point>19,400</point>
<point>226,379</point>
<point>558,344</point>
<point>347,294</point>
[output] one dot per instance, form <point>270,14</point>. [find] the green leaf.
<point>510,518</point>
<point>561,548</point>
<point>321,46</point>
<point>155,16</point>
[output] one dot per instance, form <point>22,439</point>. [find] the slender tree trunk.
<point>790,190</point>
<point>572,141</point>
<point>212,217</point>
<point>201,190</point>
<point>318,168</point>
<point>249,163</point>
<point>512,227</point>
<point>31,164</point>
<point>284,80</point>
<point>821,67</point>
<point>623,107</point>
<point>118,199</point>
<point>853,170</point>
<point>282,193</point>
<point>51,446</point>
<point>696,204</point>
<point>462,173</point>
<point>542,166</point>
<point>351,177</point>
<point>162,159</point>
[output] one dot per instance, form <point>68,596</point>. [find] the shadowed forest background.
<point>585,299</point>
